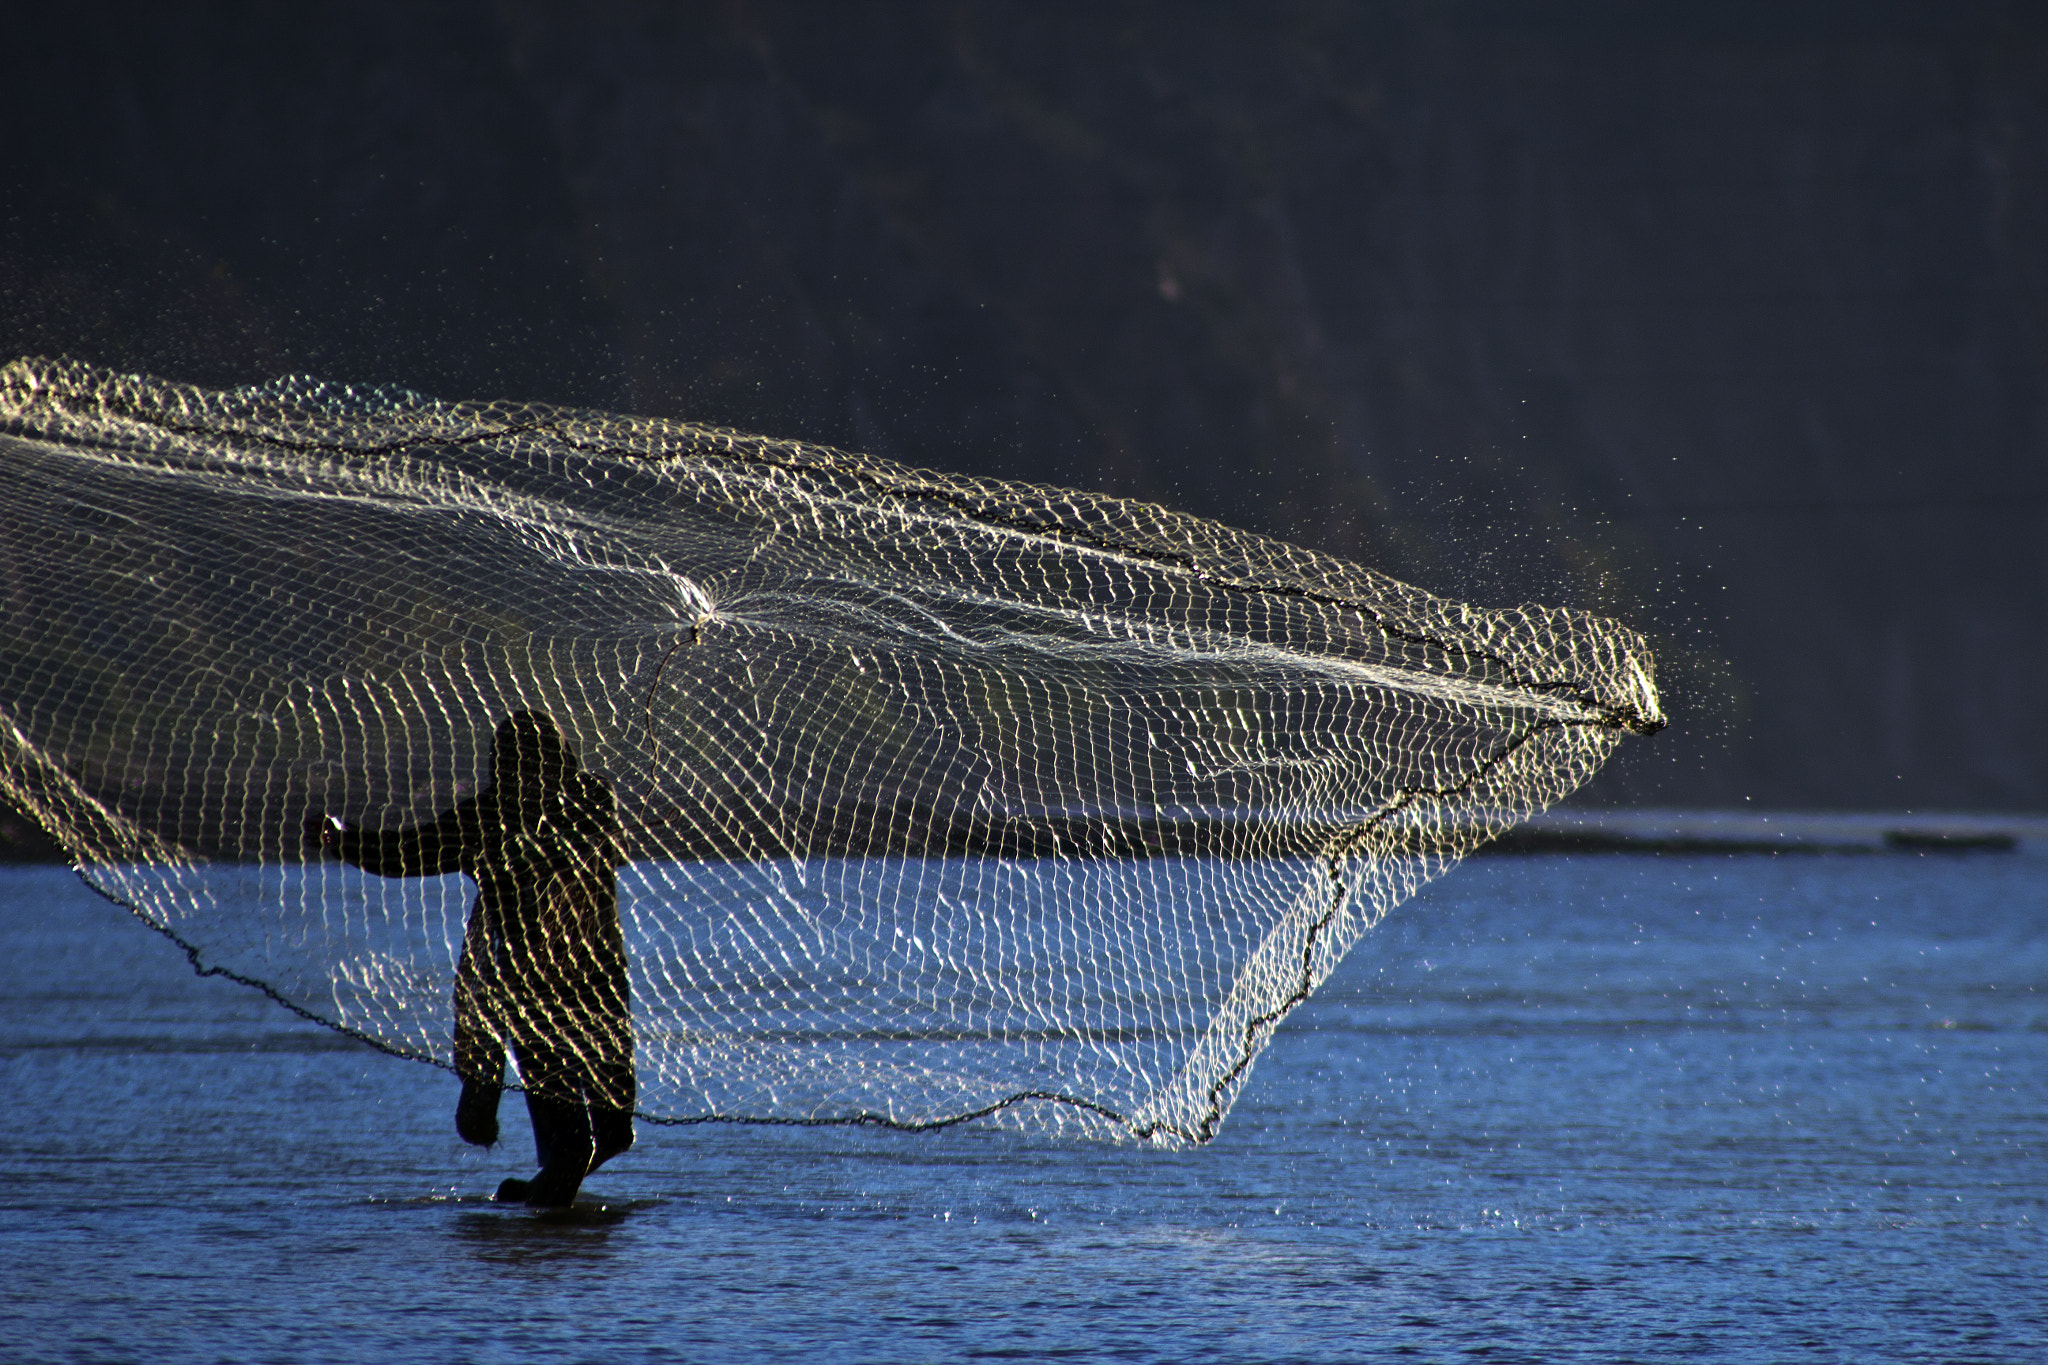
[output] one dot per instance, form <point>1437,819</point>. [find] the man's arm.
<point>479,1050</point>
<point>428,850</point>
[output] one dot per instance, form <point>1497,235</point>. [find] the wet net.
<point>930,798</point>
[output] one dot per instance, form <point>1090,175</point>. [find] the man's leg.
<point>613,1094</point>
<point>562,1139</point>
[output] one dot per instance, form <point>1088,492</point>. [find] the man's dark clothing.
<point>543,967</point>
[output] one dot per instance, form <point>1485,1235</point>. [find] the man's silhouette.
<point>543,966</point>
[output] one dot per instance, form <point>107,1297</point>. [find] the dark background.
<point>1728,320</point>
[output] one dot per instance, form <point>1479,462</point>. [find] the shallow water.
<point>1599,1108</point>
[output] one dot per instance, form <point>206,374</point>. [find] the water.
<point>1555,1109</point>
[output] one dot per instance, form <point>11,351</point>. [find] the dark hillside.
<point>1733,324</point>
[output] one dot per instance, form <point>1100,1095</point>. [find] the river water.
<point>1557,1108</point>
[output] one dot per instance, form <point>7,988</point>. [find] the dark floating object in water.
<point>945,798</point>
<point>1944,841</point>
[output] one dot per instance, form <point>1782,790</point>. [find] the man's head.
<point>529,753</point>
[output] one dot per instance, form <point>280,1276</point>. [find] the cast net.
<point>937,798</point>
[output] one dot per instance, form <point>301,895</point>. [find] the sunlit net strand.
<point>945,797</point>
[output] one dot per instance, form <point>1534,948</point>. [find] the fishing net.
<point>936,798</point>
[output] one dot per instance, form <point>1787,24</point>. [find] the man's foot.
<point>514,1191</point>
<point>551,1190</point>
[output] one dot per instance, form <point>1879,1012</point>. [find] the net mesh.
<point>937,797</point>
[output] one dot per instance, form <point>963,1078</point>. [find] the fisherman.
<point>543,965</point>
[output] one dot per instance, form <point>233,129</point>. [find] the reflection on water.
<point>533,1237</point>
<point>1559,1108</point>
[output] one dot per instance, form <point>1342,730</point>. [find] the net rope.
<point>937,798</point>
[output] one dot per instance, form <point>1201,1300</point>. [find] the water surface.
<point>1557,1108</point>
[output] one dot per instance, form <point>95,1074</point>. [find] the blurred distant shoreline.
<point>1672,832</point>
<point>1683,831</point>
<point>22,840</point>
